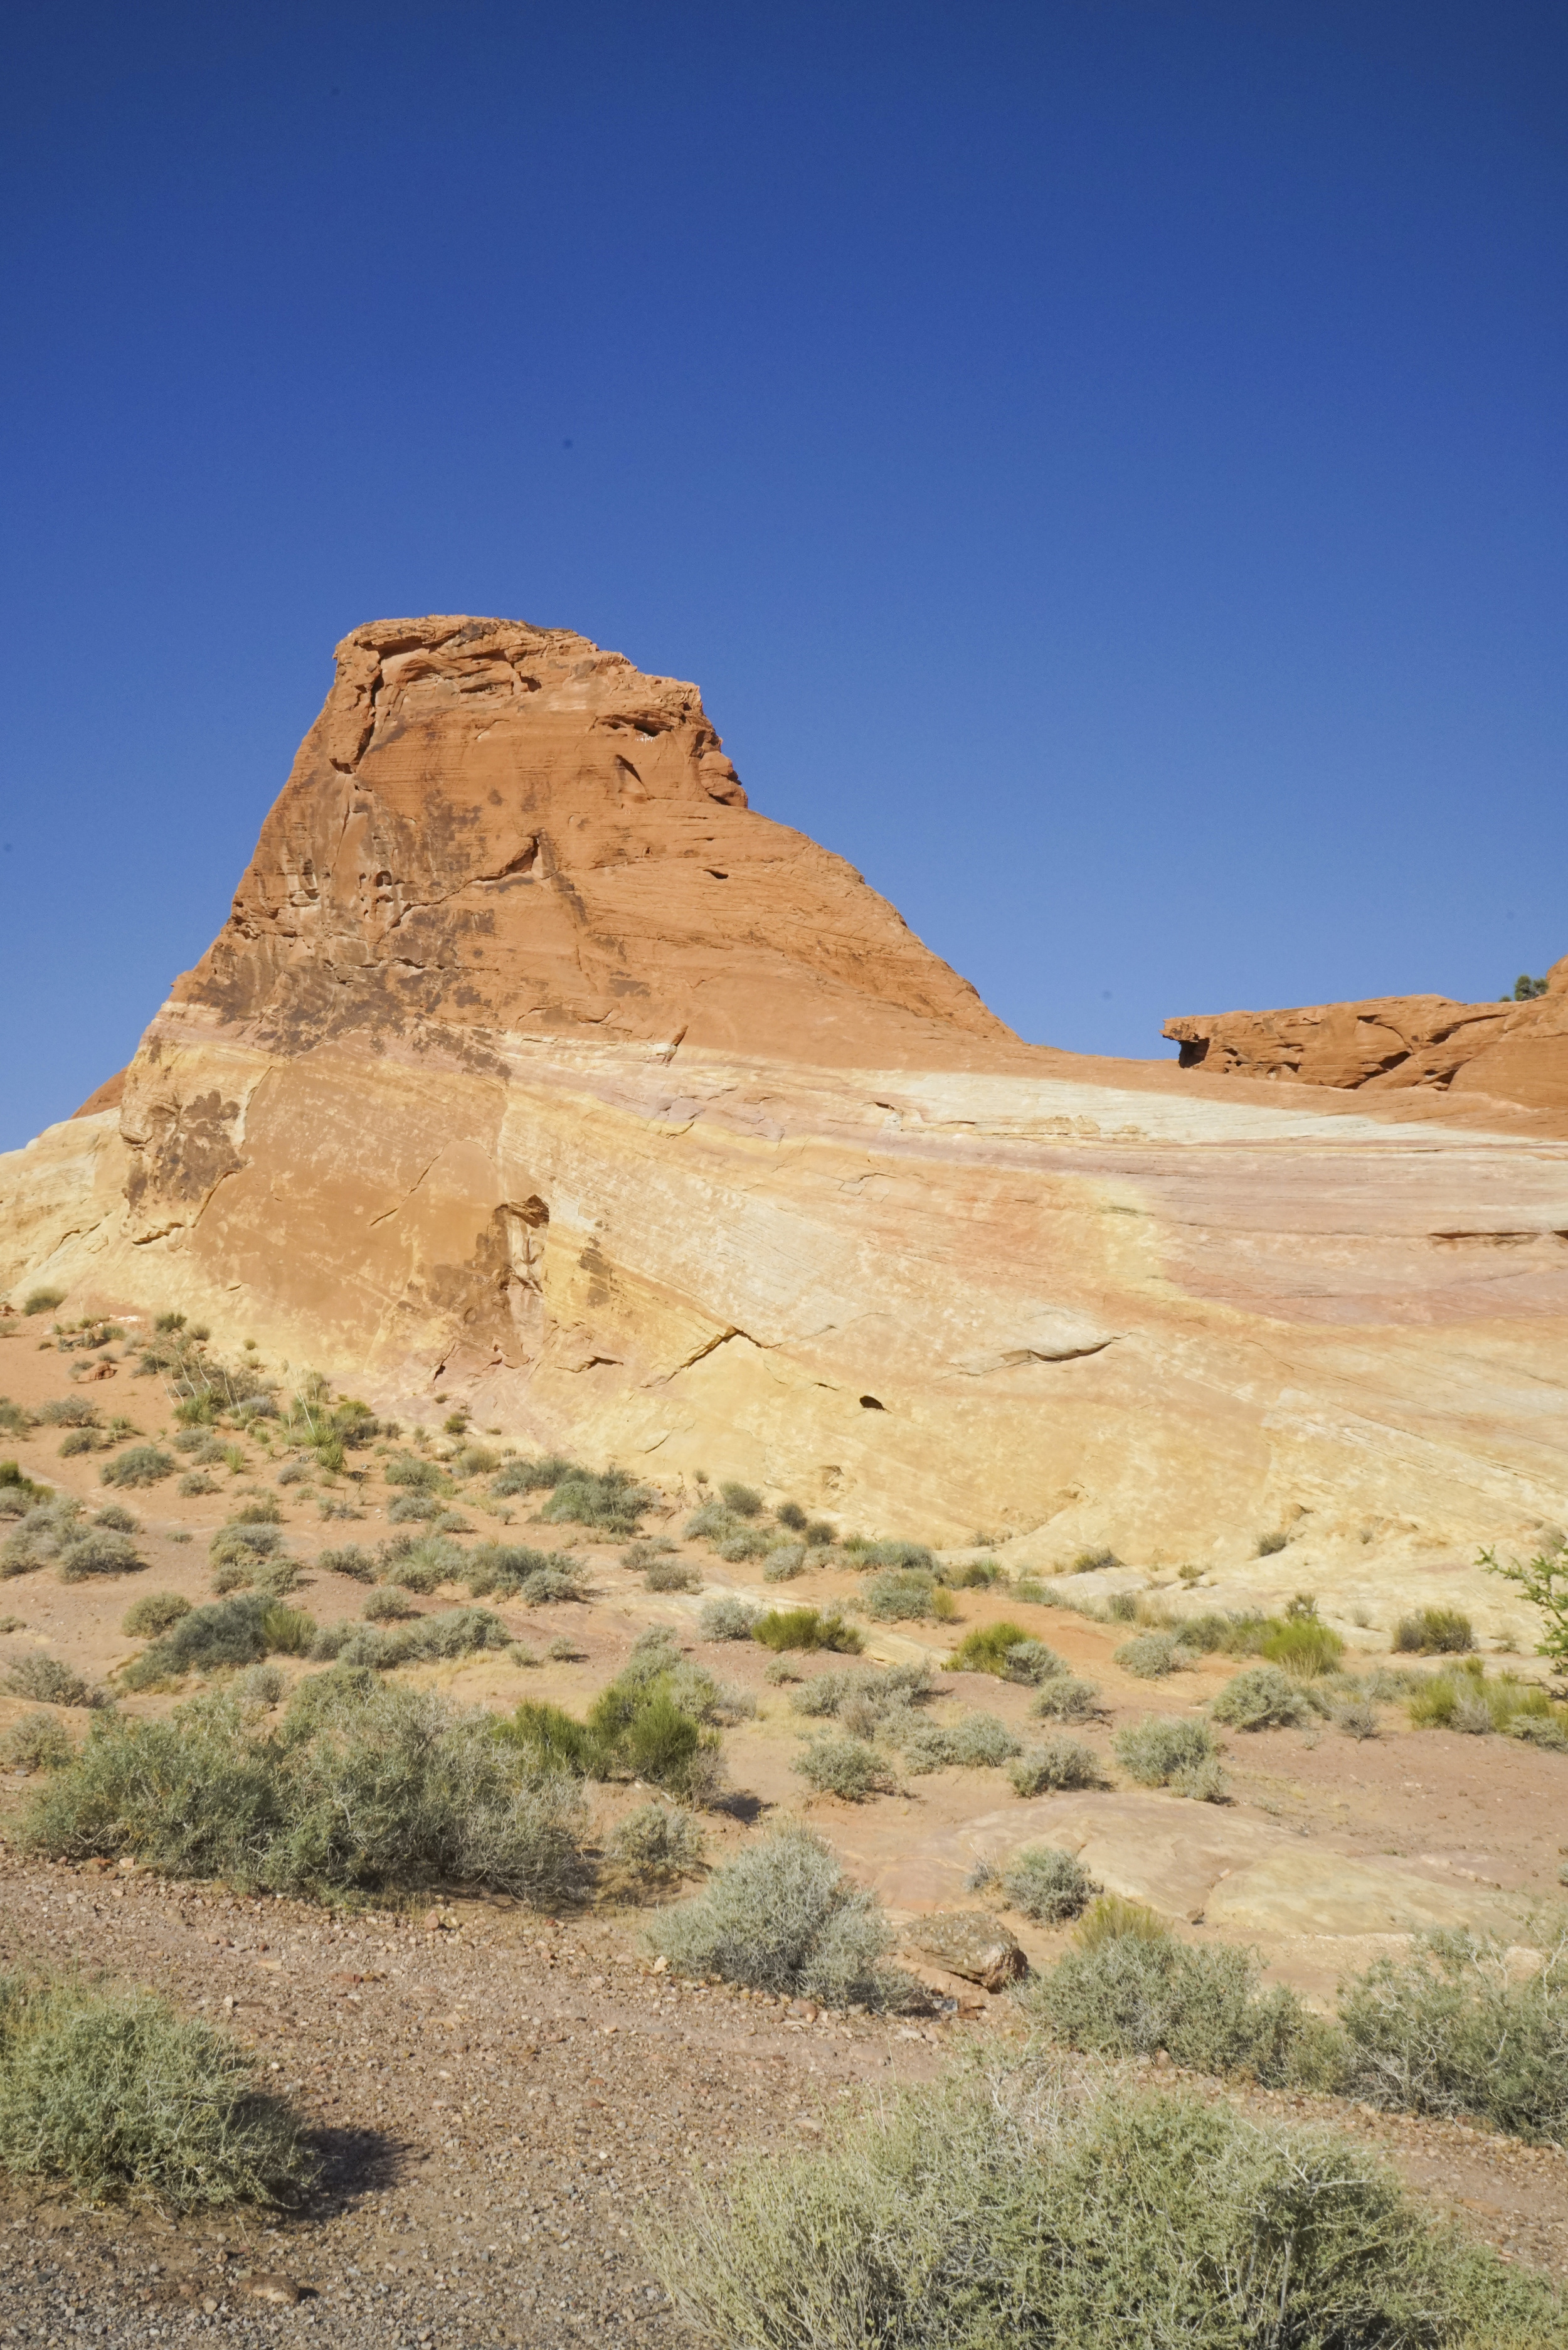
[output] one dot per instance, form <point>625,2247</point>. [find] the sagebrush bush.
<point>139,1464</point>
<point>783,1917</point>
<point>727,1619</point>
<point>261,1684</point>
<point>1132,1993</point>
<point>1034,1663</point>
<point>1434,1631</point>
<point>241,1631</point>
<point>1151,1655</point>
<point>1048,1883</point>
<point>784,1563</point>
<point>976,1740</point>
<point>742,1499</point>
<point>422,1566</point>
<point>1060,1764</point>
<point>363,1787</point>
<point>353,1560</point>
<point>1153,1751</point>
<point>1010,2208</point>
<point>41,1535</point>
<point>842,1766</point>
<point>1263,1698</point>
<point>97,1551</point>
<point>610,1503</point>
<point>1068,1700</point>
<point>417,1476</point>
<point>1453,2030</point>
<point>987,1649</point>
<point>903,1597</point>
<point>37,1743</point>
<point>413,1510</point>
<point>421,1639</point>
<point>672,1574</point>
<point>114,2094</point>
<point>388,1604</point>
<point>902,1557</point>
<point>514,1570</point>
<point>533,1476</point>
<point>48,1681</point>
<point>805,1627</point>
<point>656,1841</point>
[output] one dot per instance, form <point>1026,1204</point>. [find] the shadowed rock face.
<point>1512,1053</point>
<point>535,1071</point>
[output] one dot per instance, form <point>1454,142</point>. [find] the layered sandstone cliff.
<point>1507,1052</point>
<point>534,1070</point>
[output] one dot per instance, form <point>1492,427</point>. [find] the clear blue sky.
<point>1102,460</point>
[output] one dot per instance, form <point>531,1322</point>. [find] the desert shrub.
<point>364,1787</point>
<point>1151,1655</point>
<point>1003,2208</point>
<point>1112,1915</point>
<point>741,1500</point>
<point>727,1619</point>
<point>37,1743</point>
<point>657,1843</point>
<point>139,1464</point>
<point>533,1476</point>
<point>805,1627</point>
<point>1271,1546</point>
<point>672,1574</point>
<point>43,1301</point>
<point>261,1684</point>
<point>745,1544</point>
<point>1303,1647</point>
<point>416,1476</point>
<point>294,1472</point>
<point>264,1510</point>
<point>820,1534</point>
<point>783,1917</point>
<point>1153,1752</point>
<point>978,1740</point>
<point>420,1639</point>
<point>712,1521</point>
<point>1357,1717</point>
<point>1060,1763</point>
<point>117,1518</point>
<point>1452,2030</point>
<point>609,1503</point>
<point>115,2093</point>
<point>1068,1700</point>
<point>975,1575</point>
<point>194,1483</point>
<point>97,1551</point>
<point>420,1565</point>
<point>1434,1631</point>
<point>900,1598</point>
<point>16,1420</point>
<point>1462,1697</point>
<point>476,1460</point>
<point>642,1553</point>
<point>791,1514</point>
<point>244,1545</point>
<point>79,1439</point>
<point>387,1605</point>
<point>508,1570</point>
<point>40,1536</point>
<point>1261,1699</point>
<point>353,1560</point>
<point>1047,1884</point>
<point>413,1510</point>
<point>1031,1662</point>
<point>785,1562</point>
<point>68,1411</point>
<point>553,1739</point>
<point>48,1681</point>
<point>986,1650</point>
<point>869,1698</point>
<point>1128,1994</point>
<point>1092,1562</point>
<point>241,1631</point>
<point>842,1766</point>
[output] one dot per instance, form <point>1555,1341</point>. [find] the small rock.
<point>281,2291</point>
<point>971,1943</point>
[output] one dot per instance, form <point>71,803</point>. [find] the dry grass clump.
<point>363,1787</point>
<point>115,2093</point>
<point>783,1917</point>
<point>1011,2207</point>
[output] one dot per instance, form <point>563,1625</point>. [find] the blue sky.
<point>1102,461</point>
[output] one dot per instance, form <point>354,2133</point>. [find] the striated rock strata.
<point>535,1071</point>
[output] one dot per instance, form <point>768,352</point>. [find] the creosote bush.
<point>1010,2208</point>
<point>1047,1884</point>
<point>114,2094</point>
<point>783,1917</point>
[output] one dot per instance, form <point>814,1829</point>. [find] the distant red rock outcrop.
<point>1514,1053</point>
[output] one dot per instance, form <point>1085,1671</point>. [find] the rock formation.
<point>536,1072</point>
<point>1507,1052</point>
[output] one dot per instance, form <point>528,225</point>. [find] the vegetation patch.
<point>843,1766</point>
<point>1047,1884</point>
<point>727,1619</point>
<point>1434,1632</point>
<point>1261,1699</point>
<point>1455,2030</point>
<point>1060,1764</point>
<point>1159,1751</point>
<point>988,1649</point>
<point>139,1464</point>
<point>239,1631</point>
<point>805,1627</point>
<point>783,1917</point>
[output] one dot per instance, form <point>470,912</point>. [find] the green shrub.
<point>610,1503</point>
<point>1303,1647</point>
<point>1153,1751</point>
<point>553,1739</point>
<point>1068,1700</point>
<point>1151,1655</point>
<point>242,1631</point>
<point>1452,2030</point>
<point>1130,1994</point>
<point>364,1787</point>
<point>656,1843</point>
<point>48,1683</point>
<point>1060,1764</point>
<point>902,1598</point>
<point>37,1743</point>
<point>783,1917</point>
<point>115,2095</point>
<point>43,1301</point>
<point>533,1476</point>
<point>741,1500</point>
<point>805,1627</point>
<point>990,2210</point>
<point>727,1619</point>
<point>1261,1699</point>
<point>842,1766</point>
<point>1048,1885</point>
<point>139,1464</point>
<point>406,1468</point>
<point>1434,1632</point>
<point>987,1649</point>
